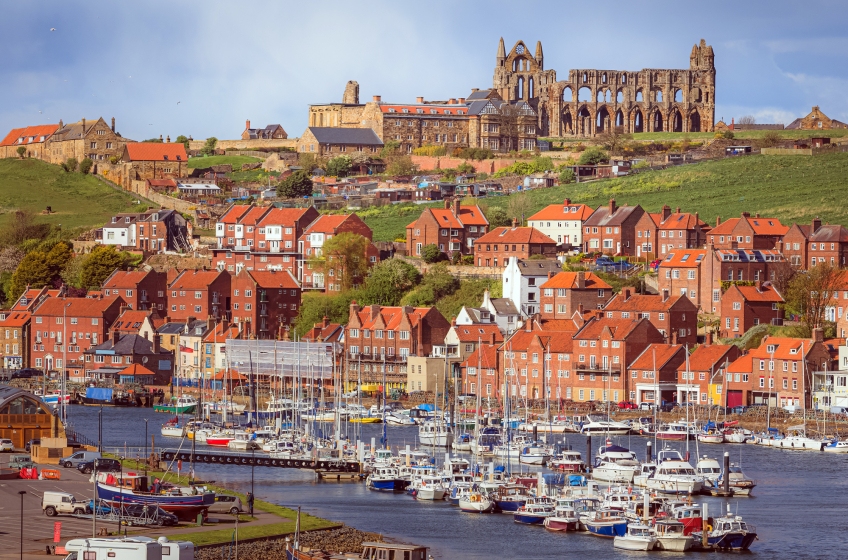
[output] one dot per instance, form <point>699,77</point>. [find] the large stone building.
<point>93,139</point>
<point>816,120</point>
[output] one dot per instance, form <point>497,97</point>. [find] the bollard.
<point>650,451</point>
<point>727,472</point>
<point>199,519</point>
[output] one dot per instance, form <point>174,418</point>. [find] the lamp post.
<point>146,455</point>
<point>22,492</point>
<point>64,360</point>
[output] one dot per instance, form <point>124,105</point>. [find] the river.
<point>797,507</point>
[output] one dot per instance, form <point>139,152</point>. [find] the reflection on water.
<point>798,506</point>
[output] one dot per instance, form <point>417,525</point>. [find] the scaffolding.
<point>280,360</point>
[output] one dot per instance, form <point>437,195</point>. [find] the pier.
<point>323,465</point>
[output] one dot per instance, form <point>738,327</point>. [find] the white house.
<point>120,231</point>
<point>522,280</point>
<point>562,222</point>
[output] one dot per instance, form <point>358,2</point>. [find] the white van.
<point>80,457</point>
<point>839,410</point>
<point>54,503</point>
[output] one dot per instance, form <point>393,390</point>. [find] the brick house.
<point>141,290</point>
<point>311,243</point>
<point>265,303</point>
<point>32,138</point>
<point>453,229</point>
<point>676,317</point>
<point>331,142</point>
<point>612,230</point>
<point>213,348</point>
<point>528,359</point>
<point>151,231</point>
<point>702,378</point>
<point>736,265</point>
<point>376,336</point>
<point>658,234</point>
<point>16,325</point>
<point>270,132</point>
<point>88,324</point>
<point>522,280</point>
<point>603,348</point>
<point>155,160</point>
<point>466,338</point>
<point>325,331</point>
<point>93,139</point>
<point>805,246</point>
<point>481,369</point>
<point>565,293</point>
<point>562,222</point>
<point>199,293</point>
<point>680,273</point>
<point>131,321</point>
<point>499,245</point>
<point>655,370</point>
<point>107,359</point>
<point>743,307</point>
<point>747,232</point>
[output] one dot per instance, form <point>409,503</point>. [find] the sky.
<point>201,68</point>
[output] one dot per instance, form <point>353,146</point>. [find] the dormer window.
<point>127,220</point>
<point>771,348</point>
<point>406,110</point>
<point>433,112</point>
<point>165,158</point>
<point>391,110</point>
<point>179,158</point>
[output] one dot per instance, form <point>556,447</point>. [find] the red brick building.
<point>736,265</point>
<point>199,293</point>
<point>565,293</point>
<point>747,233</point>
<point>655,370</point>
<point>264,303</point>
<point>452,228</point>
<point>325,331</point>
<point>141,290</point>
<point>155,160</point>
<point>703,376</point>
<point>612,230</point>
<point>481,369</point>
<point>529,358</point>
<point>311,243</point>
<point>88,323</point>
<point>743,307</point>
<point>680,273</point>
<point>674,316</point>
<point>658,234</point>
<point>496,247</point>
<point>805,246</point>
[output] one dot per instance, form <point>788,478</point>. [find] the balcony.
<point>614,369</point>
<point>263,310</point>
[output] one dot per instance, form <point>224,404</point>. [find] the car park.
<point>101,465</point>
<point>79,457</point>
<point>21,461</point>
<point>6,445</point>
<point>226,504</point>
<point>29,445</point>
<point>646,406</point>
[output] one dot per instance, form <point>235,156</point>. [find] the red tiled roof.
<point>136,369</point>
<point>124,279</point>
<point>445,218</point>
<point>515,235</point>
<point>328,223</point>
<point>552,342</point>
<point>473,333</point>
<point>282,216</point>
<point>761,226</point>
<point>783,348</point>
<point>620,328</point>
<point>162,183</point>
<point>762,294</point>
<point>79,307</point>
<point>486,355</point>
<point>28,133</point>
<point>708,357</point>
<point>684,258</point>
<point>233,213</point>
<point>743,364</point>
<point>425,109</point>
<point>220,333</point>
<point>391,316</point>
<point>641,302</point>
<point>331,333</point>
<point>656,355</point>
<point>725,228</point>
<point>563,212</point>
<point>195,279</point>
<point>569,280</point>
<point>681,220</point>
<point>253,216</point>
<point>156,151</point>
<point>16,319</point>
<point>273,279</point>
<point>128,320</point>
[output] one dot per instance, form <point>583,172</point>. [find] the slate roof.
<point>359,136</point>
<point>601,217</point>
<point>538,267</point>
<point>126,345</point>
<point>504,306</point>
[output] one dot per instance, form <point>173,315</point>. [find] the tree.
<point>389,149</point>
<point>100,264</point>
<point>747,119</point>
<point>401,165</point>
<point>70,165</point>
<point>183,140</point>
<point>593,156</point>
<point>343,258</point>
<point>771,138</point>
<point>153,141</point>
<point>431,253</point>
<point>388,281</point>
<point>520,206</point>
<point>508,120</point>
<point>10,258</point>
<point>439,279</point>
<point>310,162</point>
<point>339,166</point>
<point>613,139</point>
<point>32,271</point>
<point>314,306</point>
<point>21,227</point>
<point>465,167</point>
<point>209,147</point>
<point>498,217</point>
<point>57,258</point>
<point>21,151</point>
<point>811,293</point>
<point>566,176</point>
<point>296,185</point>
<point>85,166</point>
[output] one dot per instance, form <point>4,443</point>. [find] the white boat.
<point>739,483</point>
<point>463,442</point>
<point>395,419</point>
<point>599,424</point>
<point>564,518</point>
<point>712,436</point>
<point>671,537</point>
<point>173,429</point>
<point>568,461</point>
<point>676,431</point>
<point>435,434</point>
<point>674,475</point>
<point>242,441</point>
<point>638,537</point>
<point>797,440</point>
<point>475,502</point>
<point>276,405</point>
<point>534,454</point>
<point>836,447</point>
<point>708,468</point>
<point>737,435</point>
<point>229,406</point>
<point>615,464</point>
<point>428,487</point>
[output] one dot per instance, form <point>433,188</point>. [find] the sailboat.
<point>796,436</point>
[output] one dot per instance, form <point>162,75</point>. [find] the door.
<point>734,398</point>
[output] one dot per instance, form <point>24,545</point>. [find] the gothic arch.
<point>584,94</point>
<point>619,119</point>
<point>583,124</point>
<point>657,121</point>
<point>694,121</point>
<point>678,95</point>
<point>637,120</point>
<point>619,96</point>
<point>675,121</point>
<point>567,122</point>
<point>602,119</point>
<point>568,94</point>
<point>639,97</point>
<point>658,95</point>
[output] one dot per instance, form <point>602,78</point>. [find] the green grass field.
<point>208,161</point>
<point>790,188</point>
<point>77,200</point>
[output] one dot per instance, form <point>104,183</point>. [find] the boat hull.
<point>509,506</point>
<point>711,438</point>
<point>171,409</point>
<point>632,543</point>
<point>528,518</point>
<point>218,442</point>
<point>173,431</point>
<point>803,444</point>
<point>613,475</point>
<point>383,485</point>
<point>607,529</point>
<point>675,544</point>
<point>674,486</point>
<point>479,506</point>
<point>184,507</point>
<point>428,494</point>
<point>673,436</point>
<point>566,467</point>
<point>560,524</point>
<point>730,541</point>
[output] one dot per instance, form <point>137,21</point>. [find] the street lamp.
<point>146,455</point>
<point>22,492</point>
<point>64,360</point>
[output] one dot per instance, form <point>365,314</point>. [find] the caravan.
<point>135,548</point>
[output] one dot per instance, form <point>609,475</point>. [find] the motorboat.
<point>676,431</point>
<point>600,424</point>
<point>729,533</point>
<point>564,518</point>
<point>241,441</point>
<point>637,537</point>
<point>282,449</point>
<point>435,434</point>
<point>836,446</point>
<point>737,435</point>
<point>568,461</point>
<point>172,428</point>
<point>486,442</point>
<point>185,404</point>
<point>428,487</point>
<point>797,439</point>
<point>535,511</point>
<point>220,439</point>
<point>585,508</point>
<point>414,457</point>
<point>689,515</point>
<point>615,464</point>
<point>383,478</point>
<point>277,406</point>
<point>395,419</point>
<point>671,537</point>
<point>674,475</point>
<point>608,523</point>
<point>739,483</point>
<point>509,498</point>
<point>534,454</point>
<point>708,468</point>
<point>463,442</point>
<point>711,436</point>
<point>230,406</point>
<point>475,502</point>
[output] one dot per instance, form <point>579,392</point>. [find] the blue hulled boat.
<point>729,533</point>
<point>510,497</point>
<point>183,502</point>
<point>535,511</point>
<point>607,523</point>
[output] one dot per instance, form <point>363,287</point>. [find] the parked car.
<point>54,503</point>
<point>646,406</point>
<point>31,443</point>
<point>668,407</point>
<point>627,405</point>
<point>6,445</point>
<point>80,457</point>
<point>608,264</point>
<point>20,461</point>
<point>102,465</point>
<point>226,504</point>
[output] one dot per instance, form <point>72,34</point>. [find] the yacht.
<point>600,424</point>
<point>676,431</point>
<point>797,439</point>
<point>435,434</point>
<point>671,537</point>
<point>638,537</point>
<point>674,475</point>
<point>615,464</point>
<point>709,469</point>
<point>568,461</point>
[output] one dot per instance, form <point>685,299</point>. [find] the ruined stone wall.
<point>247,144</point>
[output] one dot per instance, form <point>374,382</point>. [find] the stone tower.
<point>351,93</point>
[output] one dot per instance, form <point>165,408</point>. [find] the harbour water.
<point>798,506</point>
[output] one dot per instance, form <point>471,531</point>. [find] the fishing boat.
<point>510,497</point>
<point>671,537</point>
<point>608,523</point>
<point>185,404</point>
<point>564,517</point>
<point>836,446</point>
<point>674,475</point>
<point>568,461</point>
<point>615,464</point>
<point>637,537</point>
<point>128,488</point>
<point>463,442</point>
<point>708,468</point>
<point>729,533</point>
<point>428,487</point>
<point>382,478</point>
<point>435,434</point>
<point>739,483</point>
<point>689,515</point>
<point>675,431</point>
<point>475,502</point>
<point>55,398</point>
<point>600,424</point>
<point>535,511</point>
<point>101,396</point>
<point>172,428</point>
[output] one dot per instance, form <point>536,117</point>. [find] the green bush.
<point>593,156</point>
<point>85,166</point>
<point>431,253</point>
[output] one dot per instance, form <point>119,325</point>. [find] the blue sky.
<point>203,68</point>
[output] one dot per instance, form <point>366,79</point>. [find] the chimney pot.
<point>708,338</point>
<point>515,222</point>
<point>452,101</point>
<point>612,206</point>
<point>247,124</point>
<point>419,100</point>
<point>678,210</point>
<point>816,224</point>
<point>456,207</point>
<point>325,322</point>
<point>376,98</point>
<point>462,101</point>
<point>567,201</point>
<point>818,335</point>
<point>113,124</point>
<point>674,337</point>
<point>627,292</point>
<point>168,139</point>
<point>718,221</point>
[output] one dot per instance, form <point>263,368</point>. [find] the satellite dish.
<point>144,360</point>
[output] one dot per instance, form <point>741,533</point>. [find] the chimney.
<point>247,124</point>
<point>757,215</point>
<point>375,310</point>
<point>708,338</point>
<point>456,207</point>
<point>678,210</point>
<point>156,343</point>
<point>550,274</point>
<point>581,280</point>
<point>376,98</point>
<point>626,293</point>
<point>491,339</point>
<point>161,139</point>
<point>666,212</point>
<point>475,90</point>
<point>665,295</point>
<point>515,222</point>
<point>528,324</point>
<point>419,100</point>
<point>168,139</point>
<point>83,126</point>
<point>580,309</point>
<point>447,203</point>
<point>818,335</point>
<point>816,224</point>
<point>62,125</point>
<point>116,336</point>
<point>612,206</point>
<point>113,124</point>
<point>674,337</point>
<point>452,101</point>
<point>746,214</point>
<point>718,221</point>
<point>566,202</point>
<point>462,101</point>
<point>210,323</point>
<point>354,307</point>
<point>189,321</point>
<point>325,322</point>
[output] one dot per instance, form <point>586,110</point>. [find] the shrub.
<point>85,166</point>
<point>21,151</point>
<point>70,165</point>
<point>593,156</point>
<point>566,176</point>
<point>430,150</point>
<point>431,253</point>
<point>114,159</point>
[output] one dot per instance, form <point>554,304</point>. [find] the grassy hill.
<point>209,161</point>
<point>791,188</point>
<point>77,200</point>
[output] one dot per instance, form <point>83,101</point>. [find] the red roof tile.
<point>656,355</point>
<point>124,279</point>
<point>619,328</point>
<point>473,333</point>
<point>156,151</point>
<point>708,357</point>
<point>221,333</point>
<point>762,294</point>
<point>233,213</point>
<point>563,211</point>
<point>16,319</point>
<point>425,109</point>
<point>486,356</point>
<point>515,235</point>
<point>195,279</point>
<point>282,216</point>
<point>328,223</point>
<point>684,258</point>
<point>79,307</point>
<point>136,369</point>
<point>568,280</point>
<point>28,133</point>
<point>273,279</point>
<point>642,302</point>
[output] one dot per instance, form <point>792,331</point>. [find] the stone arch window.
<point>638,123</point>
<point>567,94</point>
<point>624,78</point>
<point>639,96</point>
<point>584,94</point>
<point>619,97</point>
<point>658,121</point>
<point>520,94</point>
<point>658,95</point>
<point>585,77</point>
<point>514,65</point>
<point>604,78</point>
<point>694,122</point>
<point>530,88</point>
<point>676,121</point>
<point>619,118</point>
<point>600,96</point>
<point>678,95</point>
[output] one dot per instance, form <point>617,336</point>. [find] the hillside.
<point>791,188</point>
<point>77,200</point>
<point>209,161</point>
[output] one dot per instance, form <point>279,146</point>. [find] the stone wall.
<point>240,144</point>
<point>446,162</point>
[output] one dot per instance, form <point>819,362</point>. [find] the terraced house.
<point>453,229</point>
<point>32,138</point>
<point>806,246</point>
<point>562,222</point>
